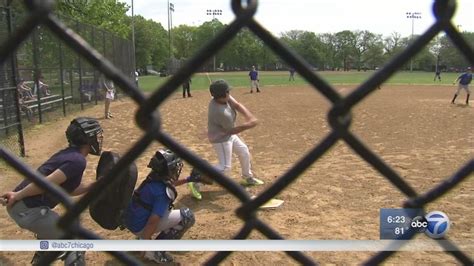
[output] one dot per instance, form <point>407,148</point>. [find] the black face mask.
<point>95,144</point>
<point>174,173</point>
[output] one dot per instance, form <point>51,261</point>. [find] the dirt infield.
<point>414,129</point>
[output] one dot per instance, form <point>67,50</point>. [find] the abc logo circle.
<point>438,224</point>
<point>419,224</point>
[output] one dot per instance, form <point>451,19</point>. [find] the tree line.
<point>344,50</point>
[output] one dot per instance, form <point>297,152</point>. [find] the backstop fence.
<point>148,118</point>
<point>61,81</point>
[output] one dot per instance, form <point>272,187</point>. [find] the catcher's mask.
<point>219,88</point>
<point>166,165</point>
<point>85,131</point>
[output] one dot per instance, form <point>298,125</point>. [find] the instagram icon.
<point>44,245</point>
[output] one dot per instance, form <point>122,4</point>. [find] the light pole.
<point>214,12</point>
<point>413,16</point>
<point>170,25</point>
<point>133,41</point>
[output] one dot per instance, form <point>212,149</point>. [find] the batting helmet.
<point>166,165</point>
<point>219,88</point>
<point>85,131</point>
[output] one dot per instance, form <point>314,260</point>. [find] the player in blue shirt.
<point>254,79</point>
<point>32,209</point>
<point>151,209</point>
<point>464,81</point>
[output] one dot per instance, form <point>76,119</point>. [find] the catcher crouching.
<point>151,208</point>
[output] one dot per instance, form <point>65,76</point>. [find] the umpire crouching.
<point>32,208</point>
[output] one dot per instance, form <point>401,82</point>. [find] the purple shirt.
<point>253,75</point>
<point>71,162</point>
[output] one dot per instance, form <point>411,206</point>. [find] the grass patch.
<point>200,81</point>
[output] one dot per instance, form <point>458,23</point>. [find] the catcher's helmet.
<point>166,165</point>
<point>85,131</point>
<point>219,88</point>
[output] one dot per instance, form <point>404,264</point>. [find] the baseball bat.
<point>209,78</point>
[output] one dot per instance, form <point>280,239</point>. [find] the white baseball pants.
<point>254,84</point>
<point>169,220</point>
<point>224,154</point>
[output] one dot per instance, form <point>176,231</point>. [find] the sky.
<point>319,16</point>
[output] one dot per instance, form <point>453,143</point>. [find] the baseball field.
<point>412,127</point>
<point>200,81</point>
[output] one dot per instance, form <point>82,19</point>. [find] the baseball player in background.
<point>437,75</point>
<point>222,133</point>
<point>32,208</point>
<point>254,79</point>
<point>109,96</point>
<point>292,74</point>
<point>187,88</point>
<point>464,81</point>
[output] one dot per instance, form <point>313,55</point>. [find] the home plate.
<point>272,204</point>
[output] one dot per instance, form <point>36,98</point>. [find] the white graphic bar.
<point>232,245</point>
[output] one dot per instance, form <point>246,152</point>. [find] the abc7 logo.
<point>435,224</point>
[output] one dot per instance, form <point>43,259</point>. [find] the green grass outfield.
<point>200,81</point>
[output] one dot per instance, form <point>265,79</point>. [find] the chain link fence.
<point>11,131</point>
<point>148,118</point>
<point>72,82</point>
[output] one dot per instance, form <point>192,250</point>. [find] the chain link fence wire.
<point>11,131</point>
<point>148,118</point>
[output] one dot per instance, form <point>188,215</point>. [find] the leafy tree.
<point>374,56</point>
<point>269,60</point>
<point>159,53</point>
<point>291,38</point>
<point>307,44</point>
<point>346,48</point>
<point>204,34</point>
<point>424,60</point>
<point>366,43</point>
<point>106,14</point>
<point>248,49</point>
<point>450,55</point>
<point>183,39</point>
<point>394,44</point>
<point>312,49</point>
<point>329,47</point>
<point>151,43</point>
<point>435,47</point>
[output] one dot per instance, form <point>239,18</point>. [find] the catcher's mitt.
<point>197,177</point>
